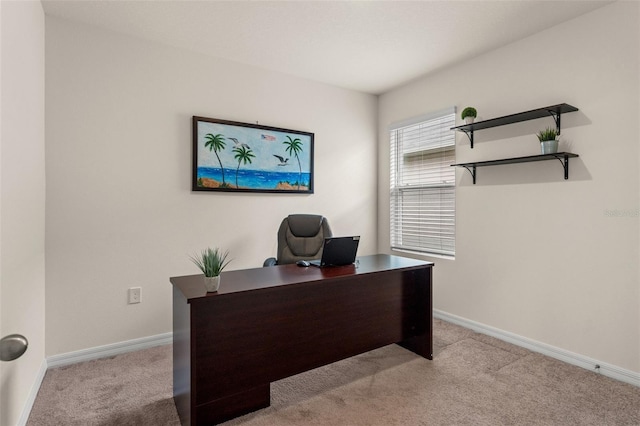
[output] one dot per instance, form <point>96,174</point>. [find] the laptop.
<point>338,251</point>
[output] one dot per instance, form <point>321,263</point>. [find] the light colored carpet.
<point>473,380</point>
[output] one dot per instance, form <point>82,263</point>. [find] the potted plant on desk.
<point>211,262</point>
<point>548,140</point>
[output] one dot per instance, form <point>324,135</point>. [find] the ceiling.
<point>369,46</point>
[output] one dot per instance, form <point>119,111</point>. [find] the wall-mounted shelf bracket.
<point>556,117</point>
<point>564,160</point>
<point>471,169</point>
<point>563,157</point>
<point>469,134</point>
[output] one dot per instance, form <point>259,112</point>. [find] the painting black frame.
<point>276,150</point>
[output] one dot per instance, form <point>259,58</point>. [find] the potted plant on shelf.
<point>469,114</point>
<point>548,140</point>
<point>211,262</point>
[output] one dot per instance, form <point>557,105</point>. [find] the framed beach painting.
<point>241,157</point>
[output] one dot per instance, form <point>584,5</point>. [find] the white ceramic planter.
<point>212,284</point>
<point>469,120</point>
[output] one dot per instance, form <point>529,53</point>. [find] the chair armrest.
<point>270,262</point>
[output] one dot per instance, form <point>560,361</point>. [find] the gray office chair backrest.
<point>301,237</point>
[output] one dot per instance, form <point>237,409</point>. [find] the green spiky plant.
<point>211,261</point>
<point>469,112</point>
<point>548,134</point>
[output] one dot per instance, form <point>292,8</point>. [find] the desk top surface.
<point>192,286</point>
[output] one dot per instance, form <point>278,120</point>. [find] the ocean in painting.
<point>253,179</point>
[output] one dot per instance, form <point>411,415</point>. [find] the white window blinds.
<point>423,184</point>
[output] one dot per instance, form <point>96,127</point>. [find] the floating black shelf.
<point>563,157</point>
<point>554,111</point>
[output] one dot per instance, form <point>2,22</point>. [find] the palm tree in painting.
<point>216,143</point>
<point>294,146</point>
<point>243,155</point>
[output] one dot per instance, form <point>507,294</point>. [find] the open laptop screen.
<point>338,251</point>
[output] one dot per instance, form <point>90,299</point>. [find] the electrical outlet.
<point>135,295</point>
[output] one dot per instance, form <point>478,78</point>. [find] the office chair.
<point>300,237</point>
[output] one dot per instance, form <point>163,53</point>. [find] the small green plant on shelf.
<point>211,261</point>
<point>548,134</point>
<point>469,113</point>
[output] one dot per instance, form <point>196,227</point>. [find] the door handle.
<point>12,347</point>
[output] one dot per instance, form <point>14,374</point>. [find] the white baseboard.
<point>31,398</point>
<point>572,358</point>
<point>109,350</point>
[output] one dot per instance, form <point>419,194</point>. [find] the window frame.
<point>431,230</point>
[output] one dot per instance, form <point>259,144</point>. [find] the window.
<point>423,184</point>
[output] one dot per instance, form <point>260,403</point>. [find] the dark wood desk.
<point>266,324</point>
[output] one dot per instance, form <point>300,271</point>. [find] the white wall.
<point>22,200</point>
<point>536,255</point>
<point>120,211</point>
